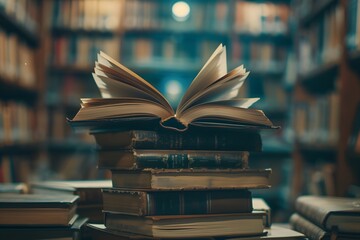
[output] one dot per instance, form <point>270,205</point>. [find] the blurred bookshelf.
<point>324,99</point>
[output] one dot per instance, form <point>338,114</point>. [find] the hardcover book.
<point>211,100</point>
<point>217,139</point>
<point>140,159</point>
<point>190,179</point>
<point>314,232</point>
<point>37,209</point>
<point>152,203</point>
<point>330,212</point>
<point>188,226</point>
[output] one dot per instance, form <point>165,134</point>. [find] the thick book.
<point>189,140</point>
<point>212,99</point>
<point>89,191</point>
<point>152,203</point>
<point>190,179</point>
<point>259,204</point>
<point>188,226</point>
<point>140,159</point>
<point>314,232</point>
<point>37,209</point>
<point>71,232</point>
<point>331,212</point>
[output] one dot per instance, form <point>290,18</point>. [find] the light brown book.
<point>190,179</point>
<point>188,226</point>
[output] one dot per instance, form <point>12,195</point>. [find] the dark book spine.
<point>197,141</point>
<point>192,160</point>
<point>309,229</point>
<point>198,202</point>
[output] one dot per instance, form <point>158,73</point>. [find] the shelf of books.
<point>322,108</point>
<point>20,93</point>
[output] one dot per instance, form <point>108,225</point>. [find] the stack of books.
<point>182,174</point>
<point>323,218</point>
<point>39,216</point>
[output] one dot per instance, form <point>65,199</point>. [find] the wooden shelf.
<point>322,79</point>
<point>9,23</point>
<point>71,70</point>
<point>56,31</point>
<point>316,12</point>
<point>12,90</point>
<point>70,146</point>
<point>325,152</point>
<point>354,60</point>
<point>20,148</point>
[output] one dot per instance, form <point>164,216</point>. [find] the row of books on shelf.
<point>88,15</point>
<point>77,51</point>
<point>14,168</point>
<point>353,30</point>
<point>17,60</point>
<point>17,123</point>
<point>23,12</point>
<point>317,121</point>
<point>81,51</point>
<point>319,176</point>
<point>321,43</point>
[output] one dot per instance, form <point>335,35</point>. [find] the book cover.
<point>188,226</point>
<point>89,191</point>
<point>152,203</point>
<point>211,100</point>
<point>140,159</point>
<point>331,212</point>
<point>190,140</point>
<point>37,209</point>
<point>191,179</point>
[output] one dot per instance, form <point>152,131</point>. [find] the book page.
<point>116,66</point>
<point>214,68</point>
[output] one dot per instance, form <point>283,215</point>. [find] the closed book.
<point>218,139</point>
<point>190,179</point>
<point>72,231</point>
<point>188,226</point>
<point>331,212</point>
<point>314,232</point>
<point>89,191</point>
<point>140,159</point>
<point>145,203</point>
<point>37,209</point>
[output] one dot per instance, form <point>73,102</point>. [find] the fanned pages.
<point>212,99</point>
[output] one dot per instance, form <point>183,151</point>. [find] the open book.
<point>211,99</point>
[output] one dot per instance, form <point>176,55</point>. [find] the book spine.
<point>198,202</point>
<point>192,160</point>
<point>230,141</point>
<point>306,227</point>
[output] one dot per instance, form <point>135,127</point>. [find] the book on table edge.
<point>72,231</point>
<point>172,159</point>
<point>188,226</point>
<point>13,188</point>
<point>190,140</point>
<point>314,232</point>
<point>191,179</point>
<point>89,191</point>
<point>329,212</point>
<point>210,101</point>
<point>259,204</point>
<point>151,203</point>
<point>37,209</point>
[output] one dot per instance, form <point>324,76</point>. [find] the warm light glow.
<point>181,11</point>
<point>173,88</point>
